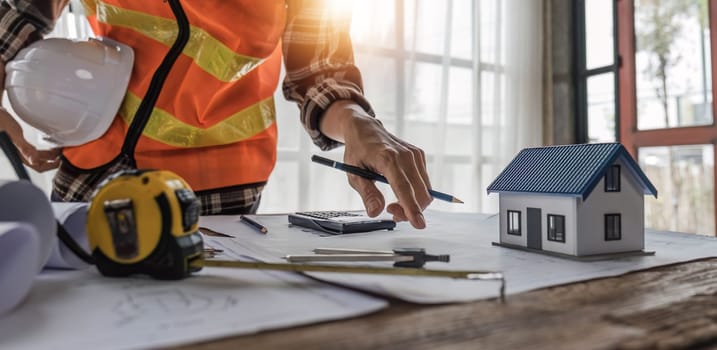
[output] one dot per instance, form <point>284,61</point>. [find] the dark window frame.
<point>613,235</point>
<point>552,233</point>
<point>581,73</point>
<point>509,226</point>
<point>612,178</point>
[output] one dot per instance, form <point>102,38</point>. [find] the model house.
<point>579,200</point>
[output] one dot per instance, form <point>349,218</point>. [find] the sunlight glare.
<point>341,8</point>
<point>355,11</point>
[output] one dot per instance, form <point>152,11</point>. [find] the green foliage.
<point>658,26</point>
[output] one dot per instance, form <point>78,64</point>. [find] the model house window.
<point>613,229</point>
<point>513,222</point>
<point>556,228</point>
<point>612,179</point>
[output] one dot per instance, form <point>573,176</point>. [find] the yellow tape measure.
<point>146,222</point>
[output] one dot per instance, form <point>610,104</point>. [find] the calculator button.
<point>326,214</point>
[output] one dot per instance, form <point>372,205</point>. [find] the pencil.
<point>259,227</point>
<point>368,174</point>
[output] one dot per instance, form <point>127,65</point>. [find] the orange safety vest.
<point>214,120</point>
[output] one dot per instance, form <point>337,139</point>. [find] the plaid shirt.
<point>319,70</point>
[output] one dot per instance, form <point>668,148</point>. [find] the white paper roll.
<point>73,217</point>
<point>21,201</point>
<point>19,253</point>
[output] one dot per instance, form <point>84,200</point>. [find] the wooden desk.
<point>671,307</point>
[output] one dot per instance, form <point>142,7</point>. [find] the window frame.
<point>552,233</point>
<point>612,177</point>
<point>630,136</point>
<point>519,230</point>
<point>616,236</point>
<point>582,74</point>
<point>402,55</point>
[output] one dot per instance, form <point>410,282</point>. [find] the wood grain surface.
<point>671,307</point>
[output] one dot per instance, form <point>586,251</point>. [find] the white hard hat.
<point>70,90</point>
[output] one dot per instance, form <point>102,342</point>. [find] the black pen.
<point>259,227</point>
<point>365,173</point>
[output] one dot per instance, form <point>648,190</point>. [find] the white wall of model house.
<point>583,218</point>
<point>548,204</point>
<point>629,202</point>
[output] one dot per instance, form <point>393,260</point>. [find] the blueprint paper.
<point>24,202</point>
<point>19,252</point>
<point>73,217</point>
<point>83,310</point>
<point>468,239</point>
<point>27,235</point>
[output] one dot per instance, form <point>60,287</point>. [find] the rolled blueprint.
<point>72,216</point>
<point>21,201</point>
<point>19,253</point>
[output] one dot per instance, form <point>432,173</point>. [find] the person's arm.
<point>21,23</point>
<point>322,78</point>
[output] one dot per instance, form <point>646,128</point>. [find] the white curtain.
<point>459,78</point>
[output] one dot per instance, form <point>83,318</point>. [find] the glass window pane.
<point>672,64</point>
<point>493,92</point>
<point>491,36</point>
<point>289,127</point>
<point>490,105</point>
<point>281,194</point>
<point>461,35</point>
<point>423,134</point>
<point>428,35</point>
<point>288,124</point>
<point>373,23</point>
<point>461,140</point>
<point>599,33</point>
<point>560,226</point>
<point>460,96</point>
<point>683,176</point>
<point>488,171</point>
<point>334,187</point>
<point>379,83</point>
<point>454,178</point>
<point>601,108</point>
<point>423,111</point>
<point>423,83</point>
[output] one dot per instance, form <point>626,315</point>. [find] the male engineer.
<point>208,63</point>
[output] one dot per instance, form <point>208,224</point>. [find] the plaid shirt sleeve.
<point>25,21</point>
<point>319,64</point>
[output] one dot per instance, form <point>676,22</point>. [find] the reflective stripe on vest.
<point>207,52</point>
<point>218,95</point>
<point>163,127</point>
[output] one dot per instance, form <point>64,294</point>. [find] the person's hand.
<point>39,160</point>
<point>370,146</point>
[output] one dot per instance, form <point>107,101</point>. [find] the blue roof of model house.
<point>566,170</point>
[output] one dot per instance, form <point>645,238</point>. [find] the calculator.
<point>340,222</point>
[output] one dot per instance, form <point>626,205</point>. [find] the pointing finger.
<point>372,198</point>
<point>389,162</point>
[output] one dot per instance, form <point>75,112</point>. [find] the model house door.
<point>535,241</point>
